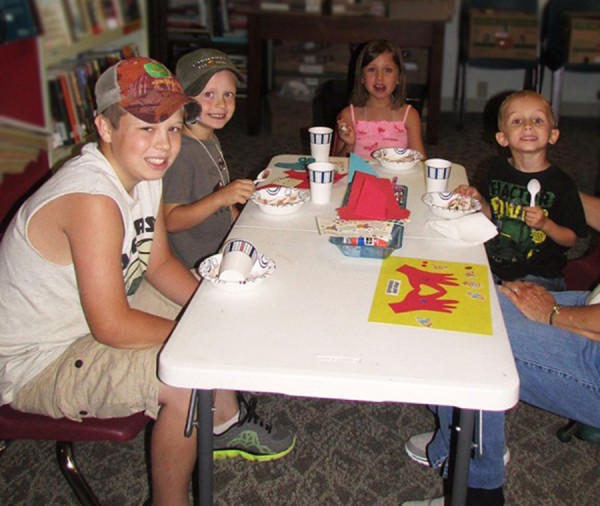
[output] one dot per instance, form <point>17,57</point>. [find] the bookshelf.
<point>219,24</point>
<point>54,45</point>
<point>99,33</point>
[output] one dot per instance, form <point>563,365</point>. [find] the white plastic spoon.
<point>262,176</point>
<point>533,187</point>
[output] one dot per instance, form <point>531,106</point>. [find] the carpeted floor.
<point>347,453</point>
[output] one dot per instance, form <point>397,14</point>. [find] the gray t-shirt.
<point>198,171</point>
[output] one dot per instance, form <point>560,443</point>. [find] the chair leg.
<point>3,446</point>
<point>76,480</point>
<point>566,433</point>
<point>458,103</point>
<point>580,431</point>
<point>555,92</point>
<point>463,94</point>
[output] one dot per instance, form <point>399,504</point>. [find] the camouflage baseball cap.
<point>143,87</point>
<point>195,69</point>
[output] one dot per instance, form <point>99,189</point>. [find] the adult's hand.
<point>533,300</point>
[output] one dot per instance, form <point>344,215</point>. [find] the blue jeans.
<point>559,371</point>
<point>551,284</point>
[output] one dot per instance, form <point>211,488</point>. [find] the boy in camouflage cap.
<point>75,339</point>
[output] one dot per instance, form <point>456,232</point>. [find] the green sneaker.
<point>252,438</point>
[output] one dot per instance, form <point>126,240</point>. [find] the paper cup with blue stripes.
<point>437,173</point>
<point>320,177</point>
<point>238,260</point>
<point>320,142</point>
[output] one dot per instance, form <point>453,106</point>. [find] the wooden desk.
<point>264,26</point>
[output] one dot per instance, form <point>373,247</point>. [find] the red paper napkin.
<point>372,198</point>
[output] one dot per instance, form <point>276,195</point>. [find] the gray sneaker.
<point>252,438</point>
<point>416,447</point>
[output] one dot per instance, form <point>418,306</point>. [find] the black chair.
<point>554,44</point>
<point>465,60</point>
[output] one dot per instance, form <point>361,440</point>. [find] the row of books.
<point>20,144</point>
<point>67,21</point>
<point>71,92</point>
<point>312,6</point>
<point>335,7</point>
<point>218,18</point>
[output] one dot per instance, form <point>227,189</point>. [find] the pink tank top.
<point>372,135</point>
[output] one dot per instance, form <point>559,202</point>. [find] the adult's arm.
<point>536,303</point>
<point>591,207</point>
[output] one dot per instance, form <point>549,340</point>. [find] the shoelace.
<point>251,416</point>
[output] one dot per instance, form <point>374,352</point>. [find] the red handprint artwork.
<point>436,294</point>
<point>417,299</point>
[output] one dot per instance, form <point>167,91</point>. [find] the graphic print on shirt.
<point>135,262</point>
<point>515,242</point>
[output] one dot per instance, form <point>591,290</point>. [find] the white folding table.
<point>305,331</point>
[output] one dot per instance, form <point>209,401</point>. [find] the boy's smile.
<point>140,151</point>
<point>217,101</point>
<point>527,126</point>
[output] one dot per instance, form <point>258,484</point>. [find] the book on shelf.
<point>128,10</point>
<point>20,143</point>
<point>56,28</point>
<point>20,20</point>
<point>61,128</point>
<point>218,17</point>
<point>111,13</point>
<point>71,91</point>
<point>188,13</point>
<point>71,106</point>
<point>282,5</point>
<point>79,27</point>
<point>94,16</point>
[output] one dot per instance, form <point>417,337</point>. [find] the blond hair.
<point>524,94</point>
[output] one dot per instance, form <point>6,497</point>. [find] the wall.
<point>579,95</point>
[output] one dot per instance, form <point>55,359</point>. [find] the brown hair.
<point>113,115</point>
<point>524,94</point>
<point>368,53</point>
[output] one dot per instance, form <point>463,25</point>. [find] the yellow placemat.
<point>433,293</point>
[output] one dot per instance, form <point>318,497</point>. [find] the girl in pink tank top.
<point>378,115</point>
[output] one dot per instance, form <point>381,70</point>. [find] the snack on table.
<point>397,158</point>
<point>450,205</point>
<point>462,203</point>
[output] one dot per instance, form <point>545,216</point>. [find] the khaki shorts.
<point>94,380</point>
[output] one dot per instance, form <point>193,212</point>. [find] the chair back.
<point>528,6</point>
<point>554,42</point>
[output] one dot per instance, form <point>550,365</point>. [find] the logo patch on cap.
<point>156,70</point>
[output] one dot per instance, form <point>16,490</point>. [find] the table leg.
<point>464,446</point>
<point>201,407</point>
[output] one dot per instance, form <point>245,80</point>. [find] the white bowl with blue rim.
<point>397,159</point>
<point>280,199</point>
